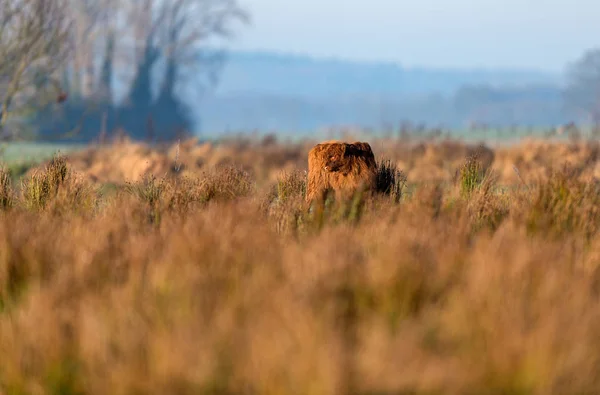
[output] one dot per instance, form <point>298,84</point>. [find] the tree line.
<point>60,61</point>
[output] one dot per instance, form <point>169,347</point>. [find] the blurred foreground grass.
<point>214,283</point>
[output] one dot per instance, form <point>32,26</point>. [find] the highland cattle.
<point>341,167</point>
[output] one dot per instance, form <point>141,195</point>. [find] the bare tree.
<point>33,47</point>
<point>176,31</point>
<point>85,15</point>
<point>146,44</point>
<point>149,32</point>
<point>177,35</point>
<point>185,24</point>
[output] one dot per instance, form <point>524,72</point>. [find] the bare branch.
<point>33,46</point>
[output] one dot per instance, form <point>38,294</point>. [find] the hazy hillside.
<point>298,93</point>
<point>281,74</point>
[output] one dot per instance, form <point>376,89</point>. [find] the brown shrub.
<point>220,294</point>
<point>343,167</point>
<point>6,192</point>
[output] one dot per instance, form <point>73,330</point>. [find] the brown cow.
<point>343,167</point>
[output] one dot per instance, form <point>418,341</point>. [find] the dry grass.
<point>6,190</point>
<point>213,282</point>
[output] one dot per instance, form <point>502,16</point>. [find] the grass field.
<point>214,277</point>
<point>19,157</point>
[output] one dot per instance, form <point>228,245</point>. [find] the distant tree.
<point>174,35</point>
<point>33,47</point>
<point>156,49</point>
<point>582,94</point>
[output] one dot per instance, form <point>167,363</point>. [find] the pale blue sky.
<point>541,34</point>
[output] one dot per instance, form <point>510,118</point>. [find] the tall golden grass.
<point>214,283</point>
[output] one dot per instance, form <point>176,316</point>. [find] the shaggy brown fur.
<point>340,166</point>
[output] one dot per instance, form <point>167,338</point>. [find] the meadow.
<point>197,268</point>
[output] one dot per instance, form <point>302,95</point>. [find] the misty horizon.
<point>488,34</point>
<point>303,66</point>
<point>341,59</point>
